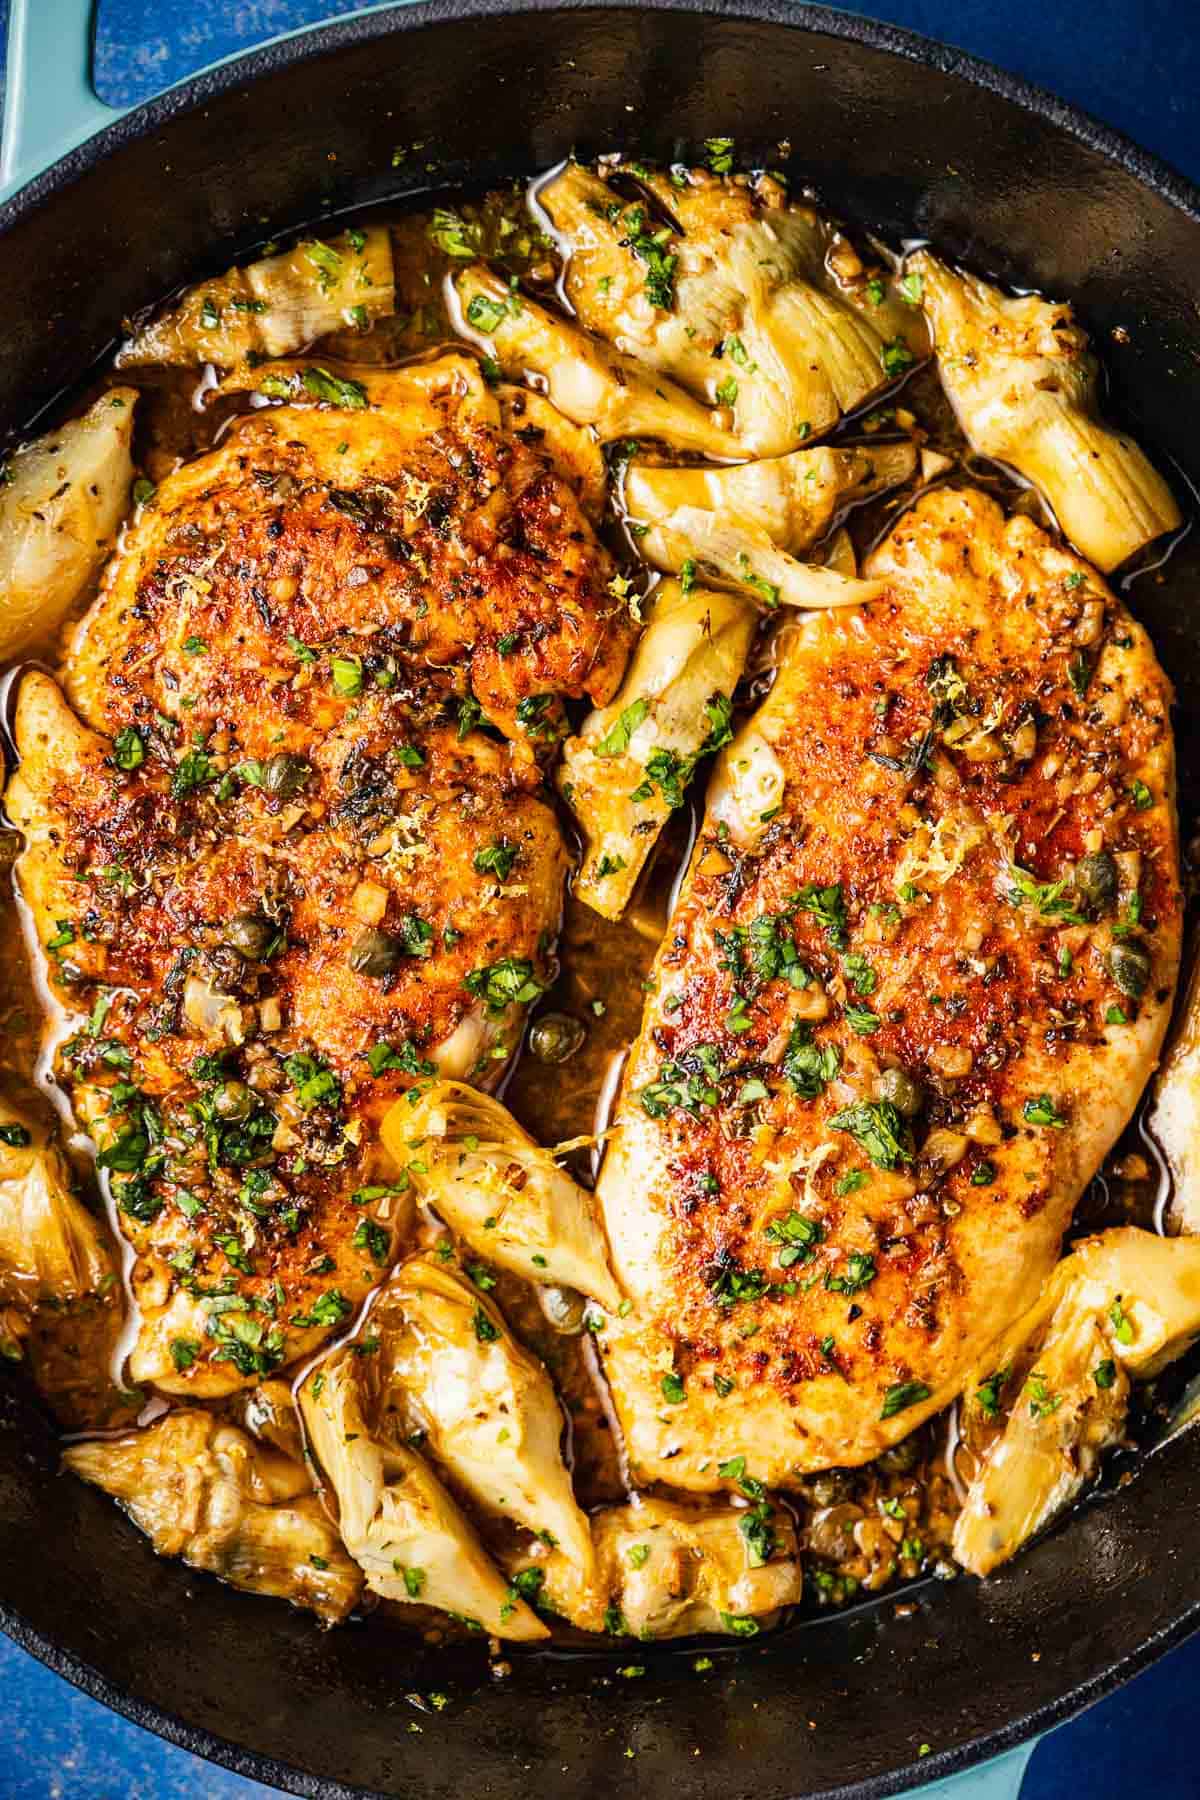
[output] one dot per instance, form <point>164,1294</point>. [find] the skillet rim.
<point>1146,168</point>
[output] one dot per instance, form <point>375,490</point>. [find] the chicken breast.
<point>362,521</point>
<point>915,981</point>
<point>278,873</point>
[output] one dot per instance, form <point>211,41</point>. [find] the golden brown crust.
<point>286,872</point>
<point>948,764</point>
<point>355,533</point>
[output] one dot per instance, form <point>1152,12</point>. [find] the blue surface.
<point>1136,66</point>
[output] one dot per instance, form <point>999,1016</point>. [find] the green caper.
<point>564,1307</point>
<point>233,1100</point>
<point>285,775</point>
<point>1129,966</point>
<point>250,935</point>
<point>555,1037</point>
<point>1096,881</point>
<point>375,953</point>
<point>903,1090</point>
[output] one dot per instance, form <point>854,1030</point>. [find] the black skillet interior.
<point>915,142</point>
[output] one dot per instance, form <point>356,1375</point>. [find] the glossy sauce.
<point>860,1529</point>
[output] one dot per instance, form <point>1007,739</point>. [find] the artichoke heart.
<point>409,1537</point>
<point>275,306</point>
<point>61,505</point>
<point>1119,1308</point>
<point>764,310</point>
<point>791,499</point>
<point>498,1190</point>
<point>203,1490</point>
<point>51,1248</point>
<point>1024,385</point>
<point>666,1569</point>
<point>627,770</point>
<point>586,379</point>
<point>487,1408</point>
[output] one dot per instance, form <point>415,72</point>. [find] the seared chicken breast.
<point>276,868</point>
<point>358,522</point>
<point>917,976</point>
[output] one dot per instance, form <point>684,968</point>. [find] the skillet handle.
<point>999,1779</point>
<point>50,104</point>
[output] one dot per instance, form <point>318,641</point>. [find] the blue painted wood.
<point>1138,67</point>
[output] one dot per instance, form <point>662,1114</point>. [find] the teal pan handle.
<point>50,103</point>
<point>51,106</point>
<point>999,1779</point>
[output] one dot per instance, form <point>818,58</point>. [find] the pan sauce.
<point>859,1529</point>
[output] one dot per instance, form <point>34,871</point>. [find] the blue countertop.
<point>1137,66</point>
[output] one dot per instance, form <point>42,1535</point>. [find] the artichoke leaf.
<point>1025,387</point>
<point>408,1536</point>
<point>274,306</point>
<point>1119,1308</point>
<point>202,1490</point>
<point>665,1569</point>
<point>51,1248</point>
<point>746,557</point>
<point>488,1411</point>
<point>1174,1119</point>
<point>61,506</point>
<point>585,379</point>
<point>498,1190</point>
<point>626,770</point>
<point>792,499</point>
<point>763,309</point>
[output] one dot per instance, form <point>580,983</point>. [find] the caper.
<point>1129,966</point>
<point>233,1100</point>
<point>375,953</point>
<point>901,1459</point>
<point>827,1488</point>
<point>249,934</point>
<point>555,1037</point>
<point>1096,880</point>
<point>285,775</point>
<point>564,1307</point>
<point>902,1089</point>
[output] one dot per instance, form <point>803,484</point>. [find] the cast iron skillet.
<point>918,141</point>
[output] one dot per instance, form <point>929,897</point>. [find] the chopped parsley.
<point>1041,1401</point>
<point>987,1394</point>
<point>129,751</point>
<point>808,1066</point>
<point>903,1394</point>
<point>496,859</point>
<point>797,1235</point>
<point>878,1128</point>
<point>860,1272</point>
<point>485,1331</point>
<point>616,739</point>
<point>509,982</point>
<point>1041,1110</point>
